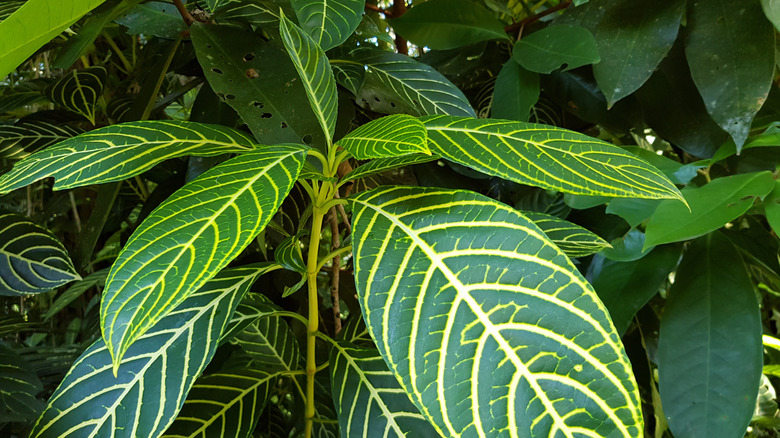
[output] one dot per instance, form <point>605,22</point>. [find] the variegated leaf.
<point>375,167</point>
<point>388,136</point>
<point>155,375</point>
<point>22,139</point>
<point>79,91</point>
<point>571,238</point>
<point>270,343</point>
<point>486,323</point>
<point>349,74</point>
<point>329,22</point>
<point>547,157</point>
<point>121,151</point>
<point>315,73</point>
<point>19,387</point>
<point>190,237</point>
<point>32,260</point>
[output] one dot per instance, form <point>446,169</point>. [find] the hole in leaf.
<point>392,104</point>
<point>377,99</point>
<point>265,116</point>
<point>284,125</point>
<point>257,104</point>
<point>307,139</point>
<point>216,70</point>
<point>249,56</point>
<point>230,96</point>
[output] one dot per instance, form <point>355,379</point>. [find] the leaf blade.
<point>389,136</point>
<point>328,22</point>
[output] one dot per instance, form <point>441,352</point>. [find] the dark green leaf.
<point>270,344</point>
<point>709,349</point>
<point>387,137</point>
<point>8,7</point>
<point>629,247</point>
<point>24,138</point>
<point>515,93</point>
<point>772,208</point>
<point>18,388</point>
<point>328,22</point>
<point>375,167</point>
<point>79,91</point>
<point>572,239</point>
<point>153,18</point>
<point>555,46</point>
<point>348,74</point>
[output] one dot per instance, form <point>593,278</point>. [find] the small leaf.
<point>328,22</point>
<point>515,93</point>
<point>20,387</point>
<point>734,79</point>
<point>315,73</point>
<point>448,24</point>
<point>709,347</point>
<point>243,194</point>
<point>349,75</point>
<point>772,208</point>
<point>546,156</point>
<point>288,254</point>
<point>368,398</point>
<point>711,207</point>
<point>79,91</point>
<point>162,366</point>
<point>387,137</point>
<point>117,152</point>
<point>375,167</point>
<point>24,138</point>
<point>32,260</point>
<point>555,46</point>
<point>572,239</point>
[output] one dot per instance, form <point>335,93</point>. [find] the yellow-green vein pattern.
<point>389,136</point>
<point>79,91</point>
<point>329,22</point>
<point>487,325</point>
<point>572,239</point>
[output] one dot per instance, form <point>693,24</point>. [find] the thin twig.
<point>185,14</point>
<point>335,243</point>
<point>514,27</point>
<point>76,217</point>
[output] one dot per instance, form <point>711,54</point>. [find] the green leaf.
<point>117,152</point>
<point>387,137</point>
<point>79,91</point>
<point>75,291</point>
<point>20,386</point>
<point>243,194</point>
<point>24,138</point>
<point>225,404</point>
<point>709,347</point>
<point>711,207</point>
<point>271,344</point>
<point>547,157</point>
<point>348,74</point>
<point>772,208</point>
<point>633,37</point>
<point>417,85</point>
<point>633,210</point>
<point>161,367</point>
<point>485,322</point>
<point>628,247</point>
<point>274,106</point>
<point>32,260</point>
<point>572,239</point>
<point>772,11</point>
<point>288,254</point>
<point>733,80</point>
<point>447,24</point>
<point>153,18</point>
<point>556,46</point>
<point>8,7</point>
<point>515,93</point>
<point>20,40</point>
<point>625,287</point>
<point>368,398</point>
<point>316,75</point>
<point>375,167</point>
<point>328,22</point>
<point>253,307</point>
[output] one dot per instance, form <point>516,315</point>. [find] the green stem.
<point>335,202</point>
<point>334,254</point>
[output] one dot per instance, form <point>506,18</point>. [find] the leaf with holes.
<point>161,367</point>
<point>329,22</point>
<point>387,137</point>
<point>375,167</point>
<point>554,47</point>
<point>225,404</point>
<point>215,217</point>
<point>79,91</point>
<point>487,325</point>
<point>117,152</point>
<point>314,70</point>
<point>417,85</point>
<point>24,138</point>
<point>368,398</point>
<point>547,157</point>
<point>32,260</point>
<point>571,238</point>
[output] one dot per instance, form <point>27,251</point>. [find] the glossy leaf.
<point>390,136</point>
<point>733,80</point>
<point>288,254</point>
<point>349,75</point>
<point>447,24</point>
<point>117,152</point>
<point>369,399</point>
<point>418,85</point>
<point>79,91</point>
<point>515,93</point>
<point>24,138</point>
<point>225,404</point>
<point>153,18</point>
<point>485,322</point>
<point>633,37</point>
<point>375,167</point>
<point>270,344</point>
<point>314,70</point>
<point>19,388</point>
<point>711,207</point>
<point>547,157</point>
<point>243,194</point>
<point>32,260</point>
<point>328,22</point>
<point>155,375</point>
<point>709,349</point>
<point>572,239</point>
<point>51,18</point>
<point>554,47</point>
<point>628,247</point>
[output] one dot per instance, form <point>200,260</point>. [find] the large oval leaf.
<point>155,375</point>
<point>547,157</point>
<point>120,151</point>
<point>190,237</point>
<point>487,325</point>
<point>329,22</point>
<point>32,260</point>
<point>389,136</point>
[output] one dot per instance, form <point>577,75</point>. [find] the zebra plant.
<point>475,321</point>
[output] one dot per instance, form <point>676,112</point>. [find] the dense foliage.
<point>476,218</point>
